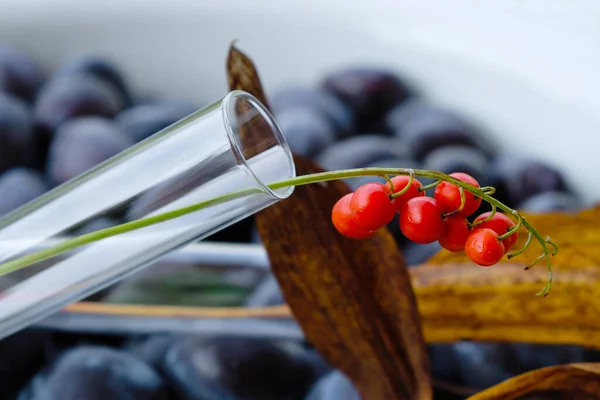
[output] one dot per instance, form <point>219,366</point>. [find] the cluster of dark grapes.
<point>367,117</point>
<point>45,365</point>
<point>57,124</point>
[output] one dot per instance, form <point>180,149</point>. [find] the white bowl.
<point>526,70</point>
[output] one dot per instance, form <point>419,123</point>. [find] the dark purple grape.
<point>591,355</point>
<point>249,369</point>
<point>20,75</point>
<point>72,96</point>
<point>95,372</point>
<point>369,92</point>
<point>240,232</point>
<point>152,350</point>
<point>143,121</point>
<point>355,183</point>
<point>535,356</point>
<point>416,253</point>
<point>465,159</point>
<point>99,68</point>
<point>424,128</point>
<point>96,225</point>
<point>334,110</point>
<point>306,131</point>
<point>549,202</point>
<point>16,133</point>
<point>516,178</point>
<point>444,363</point>
<point>165,192</point>
<point>334,386</point>
<point>62,341</point>
<point>267,293</point>
<point>22,355</point>
<point>360,151</point>
<point>394,162</point>
<point>82,143</point>
<point>482,365</point>
<point>18,187</point>
<point>255,236</point>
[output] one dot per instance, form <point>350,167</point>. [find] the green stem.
<point>405,188</point>
<point>387,178</point>
<point>522,249</point>
<point>513,230</point>
<point>296,181</point>
<point>551,243</point>
<point>463,201</point>
<point>431,185</point>
<point>88,238</point>
<point>489,190</point>
<point>486,219</point>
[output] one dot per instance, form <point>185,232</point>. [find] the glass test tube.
<point>198,158</point>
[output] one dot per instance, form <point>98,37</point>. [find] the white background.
<point>526,70</point>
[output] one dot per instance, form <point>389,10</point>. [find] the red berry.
<point>400,183</point>
<point>484,248</point>
<point>341,216</point>
<point>371,206</point>
<point>421,220</point>
<point>457,232</point>
<point>499,223</point>
<point>448,195</point>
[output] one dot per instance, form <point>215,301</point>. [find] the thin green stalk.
<point>404,189</point>
<point>389,180</point>
<point>513,230</point>
<point>486,219</point>
<point>463,201</point>
<point>88,238</point>
<point>296,181</point>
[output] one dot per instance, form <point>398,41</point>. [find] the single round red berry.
<point>484,248</point>
<point>400,183</point>
<point>372,207</point>
<point>457,232</point>
<point>499,223</point>
<point>341,216</point>
<point>421,220</point>
<point>448,195</point>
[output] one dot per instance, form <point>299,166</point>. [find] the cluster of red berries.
<point>425,219</point>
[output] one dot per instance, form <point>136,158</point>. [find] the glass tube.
<point>198,158</point>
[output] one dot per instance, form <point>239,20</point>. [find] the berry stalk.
<point>483,193</point>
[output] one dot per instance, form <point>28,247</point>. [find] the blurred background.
<point>506,91</point>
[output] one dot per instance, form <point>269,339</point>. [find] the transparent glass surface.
<point>198,158</point>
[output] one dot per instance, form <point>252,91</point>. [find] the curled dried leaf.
<point>353,300</point>
<point>569,381</point>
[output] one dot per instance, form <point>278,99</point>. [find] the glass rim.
<point>276,131</point>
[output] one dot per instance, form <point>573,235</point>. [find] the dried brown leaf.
<point>242,75</point>
<point>569,381</point>
<point>353,299</point>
